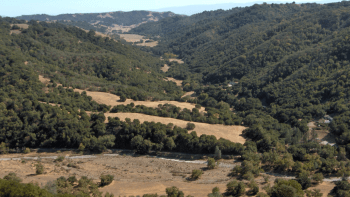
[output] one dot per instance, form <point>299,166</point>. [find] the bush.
<point>235,188</point>
<point>196,174</point>
<point>106,179</point>
<point>211,163</point>
<point>72,180</point>
<point>215,192</point>
<point>39,168</point>
<point>217,153</point>
<point>122,98</point>
<point>27,150</point>
<point>174,192</point>
<point>318,178</point>
<point>12,177</point>
<point>59,159</point>
<point>254,188</point>
<point>304,180</point>
<point>190,126</point>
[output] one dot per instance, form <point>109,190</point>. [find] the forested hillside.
<point>102,22</point>
<point>288,60</point>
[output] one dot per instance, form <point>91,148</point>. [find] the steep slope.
<point>291,58</point>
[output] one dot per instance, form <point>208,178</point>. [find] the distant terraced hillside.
<point>109,22</point>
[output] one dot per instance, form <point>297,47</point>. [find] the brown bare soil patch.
<point>324,188</point>
<point>232,133</point>
<point>44,80</point>
<point>178,82</point>
<point>15,32</point>
<point>192,94</point>
<point>323,134</point>
<point>165,68</point>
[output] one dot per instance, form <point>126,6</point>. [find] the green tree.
<point>12,177</point>
<point>39,168</point>
<point>235,188</point>
<point>211,163</point>
<point>174,192</point>
<point>106,179</point>
<point>196,174</point>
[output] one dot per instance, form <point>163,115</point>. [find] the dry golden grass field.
<point>133,175</point>
<point>136,38</point>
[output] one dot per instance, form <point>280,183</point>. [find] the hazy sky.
<point>54,7</point>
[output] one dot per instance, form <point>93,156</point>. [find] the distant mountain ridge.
<point>103,22</point>
<point>195,9</point>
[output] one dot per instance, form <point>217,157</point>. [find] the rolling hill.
<point>109,22</point>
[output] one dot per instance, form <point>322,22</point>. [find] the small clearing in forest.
<point>165,68</point>
<point>178,82</point>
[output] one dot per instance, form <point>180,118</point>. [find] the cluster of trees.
<point>156,136</point>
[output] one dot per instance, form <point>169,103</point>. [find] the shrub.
<point>304,180</point>
<point>12,177</point>
<point>72,165</point>
<point>318,178</point>
<point>39,168</point>
<point>106,179</point>
<point>59,159</point>
<point>190,126</point>
<point>27,150</point>
<point>3,148</point>
<point>174,192</point>
<point>72,180</point>
<point>211,163</point>
<point>235,188</point>
<point>122,98</point>
<point>217,153</point>
<point>215,192</point>
<point>254,188</point>
<point>196,174</point>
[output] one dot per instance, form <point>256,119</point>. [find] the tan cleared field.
<point>165,68</point>
<point>136,38</point>
<point>176,60</point>
<point>111,99</point>
<point>232,133</point>
<point>178,82</point>
<point>23,26</point>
